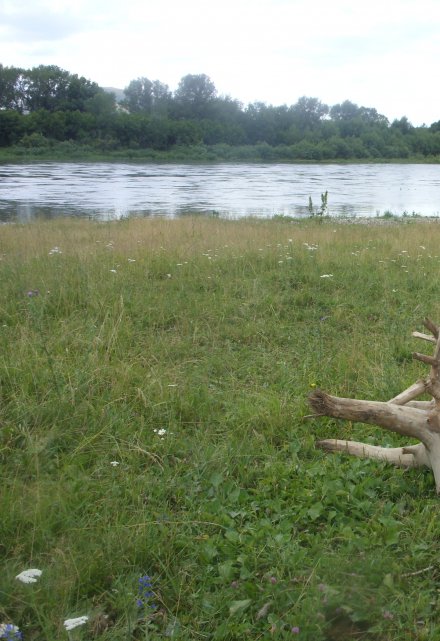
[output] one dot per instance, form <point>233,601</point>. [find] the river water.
<point>109,191</point>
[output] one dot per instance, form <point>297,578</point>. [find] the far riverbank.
<point>68,151</point>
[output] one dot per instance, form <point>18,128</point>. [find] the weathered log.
<point>401,414</point>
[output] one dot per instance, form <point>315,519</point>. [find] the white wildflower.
<point>131,260</point>
<point>29,576</point>
<point>326,276</point>
<point>160,432</point>
<point>55,250</point>
<point>114,463</point>
<point>169,275</point>
<point>70,624</point>
<point>113,271</point>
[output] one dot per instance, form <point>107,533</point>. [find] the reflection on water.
<point>107,191</point>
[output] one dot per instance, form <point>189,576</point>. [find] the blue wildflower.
<point>9,632</point>
<point>145,593</point>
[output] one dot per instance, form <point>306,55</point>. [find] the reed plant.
<point>156,466</point>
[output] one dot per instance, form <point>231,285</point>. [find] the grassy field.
<point>154,377</point>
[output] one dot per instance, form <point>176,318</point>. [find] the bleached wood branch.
<point>401,414</point>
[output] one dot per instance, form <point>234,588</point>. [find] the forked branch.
<point>401,414</point>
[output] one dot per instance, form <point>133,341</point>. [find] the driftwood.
<point>401,414</point>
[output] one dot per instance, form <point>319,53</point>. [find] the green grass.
<point>215,331</point>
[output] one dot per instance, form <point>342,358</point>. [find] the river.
<point>109,191</point>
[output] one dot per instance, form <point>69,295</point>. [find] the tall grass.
<point>154,377</point>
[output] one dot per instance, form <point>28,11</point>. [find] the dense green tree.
<point>194,96</point>
<point>162,97</point>
<point>403,125</point>
<point>145,96</point>
<point>12,88</point>
<point>100,103</point>
<point>308,113</point>
<point>139,95</point>
<point>83,95</point>
<point>11,127</point>
<point>47,88</point>
<point>46,104</point>
<point>344,111</point>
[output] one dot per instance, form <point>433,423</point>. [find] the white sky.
<point>383,54</point>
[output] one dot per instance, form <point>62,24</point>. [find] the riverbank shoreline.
<point>200,154</point>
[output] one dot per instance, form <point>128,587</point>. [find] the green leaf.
<point>209,551</point>
<point>315,511</point>
<point>388,581</point>
<point>232,535</point>
<point>216,479</point>
<point>237,607</point>
<point>226,570</point>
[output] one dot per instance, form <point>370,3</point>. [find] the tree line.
<point>46,105</point>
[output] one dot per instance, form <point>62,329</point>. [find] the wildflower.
<point>160,432</point>
<point>295,629</point>
<point>273,580</point>
<point>55,250</point>
<point>71,624</point>
<point>388,615</point>
<point>114,463</point>
<point>131,260</point>
<point>10,632</point>
<point>326,276</point>
<point>32,292</point>
<point>29,576</point>
<point>145,592</point>
<point>113,271</point>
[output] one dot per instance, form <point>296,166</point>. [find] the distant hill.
<point>119,93</point>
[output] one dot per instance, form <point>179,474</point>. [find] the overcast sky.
<point>383,54</point>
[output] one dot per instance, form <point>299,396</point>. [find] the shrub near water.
<point>156,466</point>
